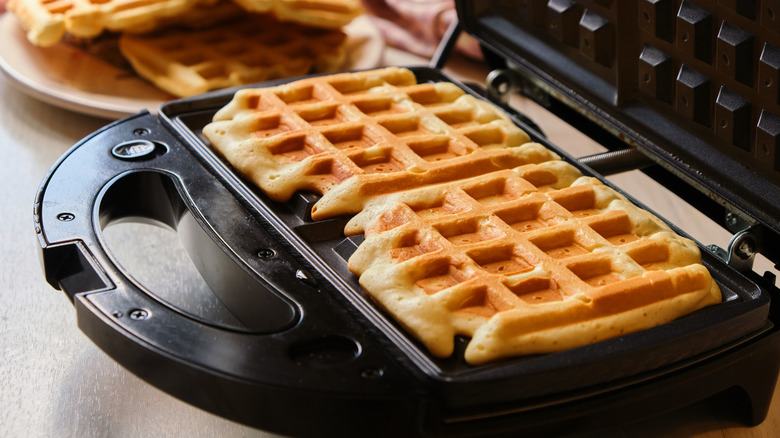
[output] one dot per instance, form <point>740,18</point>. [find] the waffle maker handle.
<point>136,173</point>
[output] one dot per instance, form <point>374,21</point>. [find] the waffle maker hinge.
<point>747,241</point>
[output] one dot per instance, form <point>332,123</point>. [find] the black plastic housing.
<point>693,84</point>
<point>311,343</point>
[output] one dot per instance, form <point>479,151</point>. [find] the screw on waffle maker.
<point>305,341</point>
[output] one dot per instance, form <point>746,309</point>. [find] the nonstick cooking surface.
<point>322,245</point>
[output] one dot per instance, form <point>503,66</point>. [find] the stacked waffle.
<point>187,47</point>
<point>470,229</point>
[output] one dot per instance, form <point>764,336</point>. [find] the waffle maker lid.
<point>308,341</point>
<point>694,86</point>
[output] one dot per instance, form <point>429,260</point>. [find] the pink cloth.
<point>417,26</point>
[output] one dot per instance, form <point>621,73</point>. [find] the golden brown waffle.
<point>527,261</point>
<point>257,48</point>
<point>351,137</point>
<point>106,46</point>
<point>331,14</point>
<point>206,13</point>
<point>469,228</point>
<point>46,21</point>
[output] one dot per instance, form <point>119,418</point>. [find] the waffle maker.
<point>308,353</point>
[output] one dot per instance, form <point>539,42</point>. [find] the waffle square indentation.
<point>468,232</point>
<point>456,117</point>
<point>491,192</point>
<point>268,125</point>
<point>377,160</point>
<point>378,106</point>
<point>524,217</point>
<point>540,178</point>
<point>595,272</point>
<point>579,200</point>
<point>322,114</point>
<point>349,137</point>
<point>559,245</point>
<point>615,227</point>
<point>484,301</point>
<point>440,274</point>
<point>330,170</point>
<point>297,95</point>
<point>295,148</point>
<point>500,260</point>
<point>649,255</point>
<point>536,290</point>
<point>438,148</point>
<point>428,95</point>
<point>412,245</point>
<point>440,207</point>
<point>485,136</point>
<point>404,126</point>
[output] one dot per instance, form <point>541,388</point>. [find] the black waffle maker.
<point>688,91</point>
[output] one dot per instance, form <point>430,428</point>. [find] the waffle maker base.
<point>311,354</point>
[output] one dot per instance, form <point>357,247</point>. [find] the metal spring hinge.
<point>743,246</point>
<point>500,85</point>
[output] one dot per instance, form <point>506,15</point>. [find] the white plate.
<point>67,77</point>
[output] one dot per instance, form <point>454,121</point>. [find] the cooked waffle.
<point>351,137</point>
<point>106,46</point>
<point>47,21</point>
<point>43,22</point>
<point>206,13</point>
<point>258,48</point>
<point>532,260</point>
<point>469,228</point>
<point>331,14</point>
